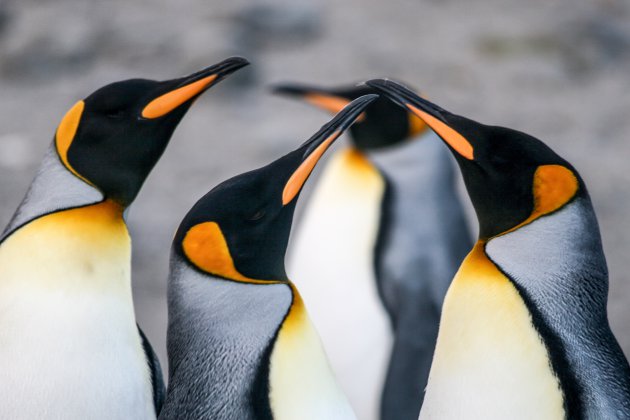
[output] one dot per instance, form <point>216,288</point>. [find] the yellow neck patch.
<point>356,160</point>
<point>65,134</point>
<point>297,313</point>
<point>206,247</point>
<point>68,248</point>
<point>553,187</point>
<point>302,384</point>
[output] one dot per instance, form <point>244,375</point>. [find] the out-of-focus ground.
<point>558,69</point>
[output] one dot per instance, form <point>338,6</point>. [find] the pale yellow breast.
<point>70,345</point>
<point>332,262</point>
<point>69,249</point>
<point>302,385</point>
<point>489,362</point>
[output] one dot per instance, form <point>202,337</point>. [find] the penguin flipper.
<point>157,380</point>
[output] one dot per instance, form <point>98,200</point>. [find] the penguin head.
<point>382,124</point>
<point>240,229</point>
<point>114,137</point>
<point>512,178</point>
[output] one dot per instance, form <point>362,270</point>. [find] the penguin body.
<point>212,309</point>
<point>423,238</point>
<point>524,331</point>
<point>236,356</point>
<point>240,342</point>
<point>333,250</point>
<point>71,347</point>
<point>400,234</point>
<point>81,285</point>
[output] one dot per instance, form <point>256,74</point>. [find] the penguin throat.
<point>298,358</point>
<point>70,248</point>
<point>206,248</point>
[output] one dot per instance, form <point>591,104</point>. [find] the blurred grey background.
<point>557,69</point>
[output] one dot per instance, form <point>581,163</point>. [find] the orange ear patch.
<point>164,104</point>
<point>66,131</point>
<point>299,177</point>
<point>206,247</point>
<point>554,186</point>
<point>452,137</point>
<point>330,103</point>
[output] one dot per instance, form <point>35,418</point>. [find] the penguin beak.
<point>174,93</point>
<point>311,151</point>
<point>318,97</point>
<point>431,114</point>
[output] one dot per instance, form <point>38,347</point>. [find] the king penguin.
<point>240,343</point>
<point>524,331</point>
<point>390,201</point>
<point>70,347</point>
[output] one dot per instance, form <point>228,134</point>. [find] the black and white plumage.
<point>524,331</point>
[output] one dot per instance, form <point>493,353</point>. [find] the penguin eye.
<point>500,162</point>
<point>257,216</point>
<point>115,114</point>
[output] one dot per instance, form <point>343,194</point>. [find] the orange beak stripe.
<point>330,103</point>
<point>164,104</point>
<point>452,137</point>
<point>299,177</point>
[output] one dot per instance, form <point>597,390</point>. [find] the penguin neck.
<point>301,380</point>
<point>558,265</point>
<point>221,332</point>
<point>54,188</point>
<point>267,361</point>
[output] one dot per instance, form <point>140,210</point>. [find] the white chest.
<point>69,347</point>
<point>302,385</point>
<point>489,361</point>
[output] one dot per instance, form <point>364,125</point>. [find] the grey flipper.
<point>54,188</point>
<point>220,334</point>
<point>557,264</point>
<point>157,380</point>
<point>422,241</point>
